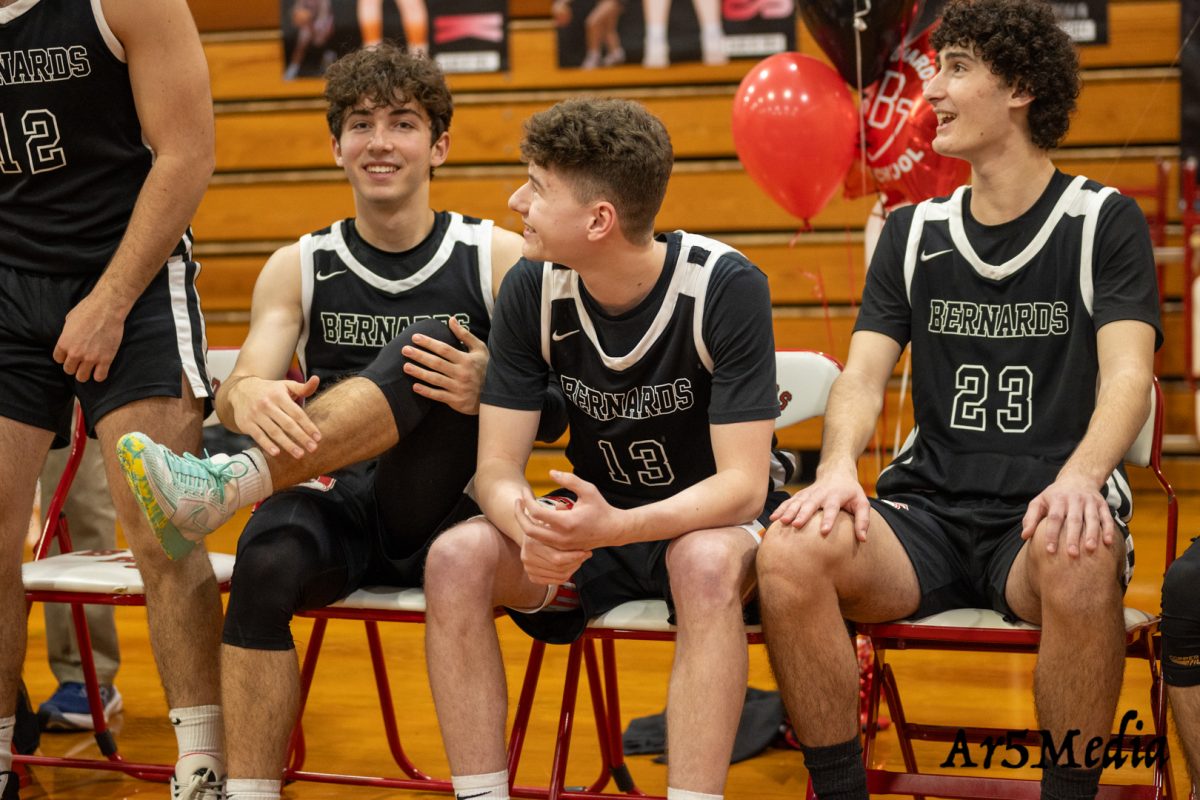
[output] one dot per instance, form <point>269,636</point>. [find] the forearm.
<point>853,408</point>
<point>498,485</point>
<point>1121,409</point>
<point>227,400</point>
<point>165,205</point>
<point>730,497</point>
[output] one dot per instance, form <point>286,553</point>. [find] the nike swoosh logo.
<point>558,337</point>
<point>469,796</point>
<point>324,276</point>
<point>927,256</point>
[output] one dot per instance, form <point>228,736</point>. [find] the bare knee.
<point>462,562</point>
<point>710,568</point>
<point>1076,584</point>
<point>791,559</point>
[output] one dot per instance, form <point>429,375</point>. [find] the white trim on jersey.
<point>9,13</point>
<point>913,245</point>
<point>185,335</point>
<point>555,283</point>
<point>1091,216</point>
<point>484,250</point>
<point>110,38</point>
<point>905,450</point>
<point>697,286</point>
<point>306,295</point>
<point>951,211</point>
<point>457,231</point>
<point>688,279</point>
<point>1119,496</point>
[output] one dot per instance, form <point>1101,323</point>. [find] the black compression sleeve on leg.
<point>387,372</point>
<point>1181,619</point>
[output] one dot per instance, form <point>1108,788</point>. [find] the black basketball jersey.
<point>639,416</point>
<point>357,298</point>
<point>1004,359</point>
<point>72,159</point>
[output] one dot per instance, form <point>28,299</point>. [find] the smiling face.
<point>977,112</point>
<point>556,224</point>
<point>388,151</point>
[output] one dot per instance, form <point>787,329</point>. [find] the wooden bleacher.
<point>275,176</point>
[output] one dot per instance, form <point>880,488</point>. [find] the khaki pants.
<point>91,522</point>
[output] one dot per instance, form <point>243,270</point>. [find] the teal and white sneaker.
<point>185,498</point>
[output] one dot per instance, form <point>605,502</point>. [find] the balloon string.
<point>818,281</point>
<point>1151,101</point>
<point>860,25</point>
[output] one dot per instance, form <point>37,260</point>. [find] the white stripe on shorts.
<point>185,335</point>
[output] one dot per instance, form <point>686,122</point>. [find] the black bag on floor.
<point>27,734</point>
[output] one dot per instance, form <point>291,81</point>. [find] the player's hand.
<point>1073,515</point>
<point>561,11</point>
<point>90,337</point>
<point>454,377</point>
<point>548,566</point>
<point>589,524</point>
<point>828,495</point>
<point>268,411</point>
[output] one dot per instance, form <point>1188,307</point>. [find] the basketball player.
<point>1018,294</point>
<point>104,156</point>
<point>1181,651</point>
<point>664,350</point>
<point>399,271</point>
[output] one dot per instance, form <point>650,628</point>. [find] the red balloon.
<point>900,129</point>
<point>794,129</point>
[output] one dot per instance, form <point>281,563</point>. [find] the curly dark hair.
<point>1022,43</point>
<point>387,73</point>
<point>608,148</point>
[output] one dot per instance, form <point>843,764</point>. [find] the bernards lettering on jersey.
<point>43,65</point>
<point>640,402</point>
<point>999,320</point>
<point>374,330</point>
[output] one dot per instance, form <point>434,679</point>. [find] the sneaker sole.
<point>66,721</point>
<point>129,453</point>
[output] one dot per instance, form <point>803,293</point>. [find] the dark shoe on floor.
<point>67,709</point>
<point>8,786</point>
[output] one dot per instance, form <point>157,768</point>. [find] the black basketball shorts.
<point>163,344</point>
<point>614,575</point>
<point>963,549</point>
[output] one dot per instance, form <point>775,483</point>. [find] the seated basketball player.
<point>1019,295</point>
<point>664,350</point>
<point>1181,651</point>
<point>387,313</point>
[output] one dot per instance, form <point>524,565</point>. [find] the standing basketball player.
<point>104,156</point>
<point>663,347</point>
<point>391,309</point>
<point>1019,294</point>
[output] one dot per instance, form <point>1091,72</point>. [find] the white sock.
<point>7,726</point>
<point>254,482</point>
<point>492,786</point>
<point>684,794</point>
<point>712,30</point>
<point>251,789</point>
<point>656,33</point>
<point>198,729</point>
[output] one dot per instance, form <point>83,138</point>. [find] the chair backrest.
<point>221,361</point>
<point>804,378</point>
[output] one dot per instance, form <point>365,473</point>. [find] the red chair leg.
<point>387,707</point>
<point>620,772</point>
<point>566,718</point>
<point>533,671</point>
<point>87,663</point>
<point>296,747</point>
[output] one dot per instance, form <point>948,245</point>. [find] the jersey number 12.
<point>40,129</point>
